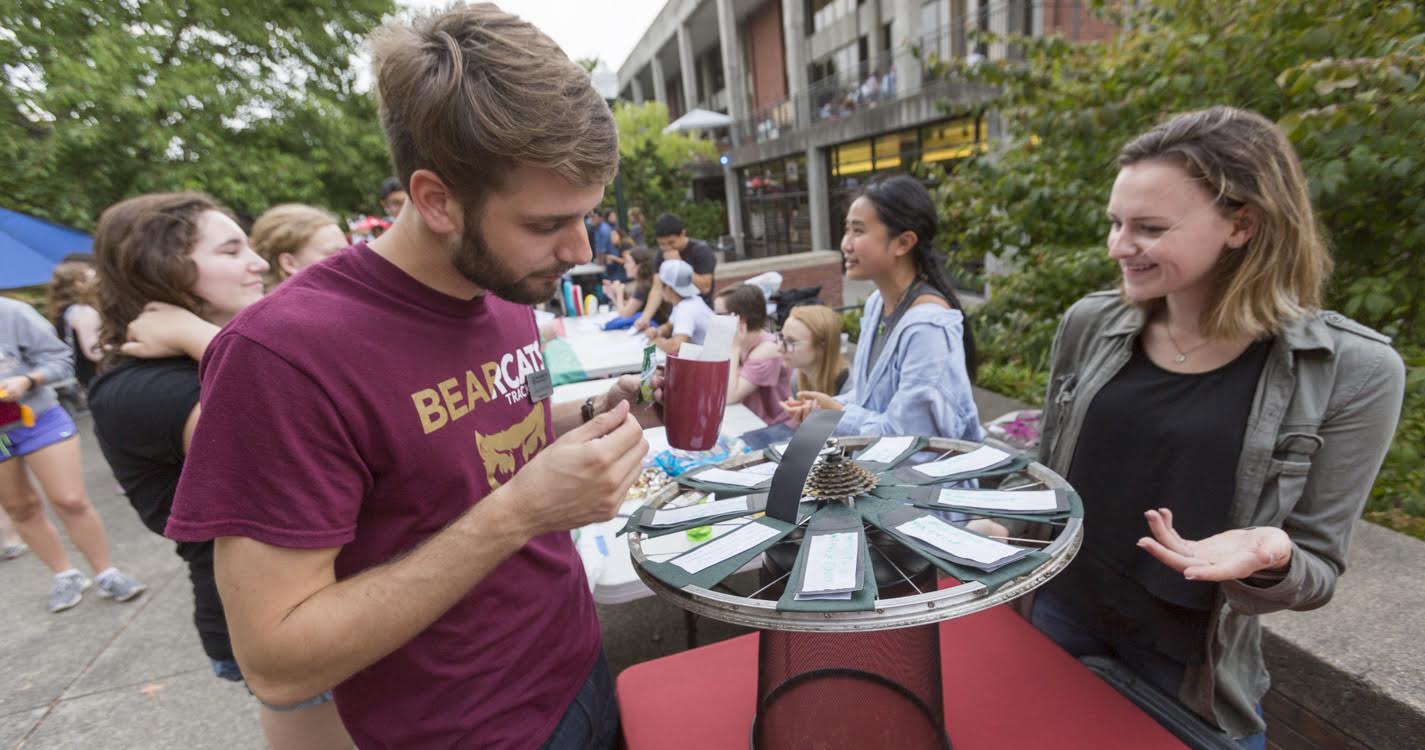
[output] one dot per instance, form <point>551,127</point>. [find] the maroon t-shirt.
<point>356,407</point>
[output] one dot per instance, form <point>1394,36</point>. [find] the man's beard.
<point>474,260</point>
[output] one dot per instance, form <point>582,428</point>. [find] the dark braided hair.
<point>904,205</point>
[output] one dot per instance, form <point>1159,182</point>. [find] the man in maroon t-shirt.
<point>376,455</point>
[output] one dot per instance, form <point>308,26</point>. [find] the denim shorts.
<point>51,426</point>
<point>228,669</point>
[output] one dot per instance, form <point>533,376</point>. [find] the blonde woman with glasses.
<point>810,343</point>
<point>1222,429</point>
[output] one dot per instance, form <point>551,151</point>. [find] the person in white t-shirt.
<point>689,319</point>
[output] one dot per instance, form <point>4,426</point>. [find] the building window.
<point>775,209</point>
<point>824,13</point>
<point>851,165</point>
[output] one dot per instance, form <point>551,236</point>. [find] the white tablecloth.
<point>603,353</point>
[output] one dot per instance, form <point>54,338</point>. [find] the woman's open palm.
<point>1228,556</point>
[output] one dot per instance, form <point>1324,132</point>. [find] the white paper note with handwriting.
<point>734,478</point>
<point>675,516</point>
<point>887,449</point>
<point>957,542</point>
<point>1006,500</point>
<point>980,458</point>
<point>726,546</point>
<point>831,562</point>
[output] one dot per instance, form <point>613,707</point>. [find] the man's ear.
<point>439,209</point>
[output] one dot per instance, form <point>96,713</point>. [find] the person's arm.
<point>50,359</point>
<point>297,631</point>
<point>704,265</point>
<point>739,386</point>
<point>85,322</point>
<point>164,330</point>
<point>671,344</point>
<point>650,308</point>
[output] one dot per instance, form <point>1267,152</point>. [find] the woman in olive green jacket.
<point>1223,431</point>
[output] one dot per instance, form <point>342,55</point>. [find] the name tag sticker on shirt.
<point>541,385</point>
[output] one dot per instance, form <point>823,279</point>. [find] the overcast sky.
<point>584,28</point>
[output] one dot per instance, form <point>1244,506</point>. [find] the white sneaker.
<point>67,590</point>
<point>118,586</point>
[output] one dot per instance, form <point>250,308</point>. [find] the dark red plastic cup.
<point>694,399</point>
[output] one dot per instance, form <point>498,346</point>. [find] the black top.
<point>140,409</point>
<point>1150,439</point>
<point>700,256</point>
<point>84,367</point>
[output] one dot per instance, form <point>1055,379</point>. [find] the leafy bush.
<point>653,165</point>
<point>1342,78</point>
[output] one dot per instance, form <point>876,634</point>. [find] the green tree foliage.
<point>654,167</point>
<point>1342,78</point>
<point>254,102</point>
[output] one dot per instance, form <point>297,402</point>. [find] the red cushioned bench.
<point>1026,693</point>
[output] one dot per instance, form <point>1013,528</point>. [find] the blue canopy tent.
<point>30,248</point>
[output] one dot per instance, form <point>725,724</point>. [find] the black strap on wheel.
<point>791,475</point>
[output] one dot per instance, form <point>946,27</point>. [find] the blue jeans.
<point>1053,620</point>
<point>228,669</point>
<point>591,721</point>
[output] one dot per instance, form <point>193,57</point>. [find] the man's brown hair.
<point>143,250</point>
<point>473,92</point>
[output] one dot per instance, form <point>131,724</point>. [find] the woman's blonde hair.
<point>286,228</point>
<point>825,327</point>
<point>1244,160</point>
<point>73,282</point>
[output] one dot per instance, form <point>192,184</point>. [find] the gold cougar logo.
<point>498,451</point>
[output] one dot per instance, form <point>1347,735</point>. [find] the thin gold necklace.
<point>1182,355</point>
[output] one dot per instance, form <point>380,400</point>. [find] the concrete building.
<point>826,94</point>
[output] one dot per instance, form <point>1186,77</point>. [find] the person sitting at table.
<point>810,343</point>
<point>757,376</point>
<point>628,297</point>
<point>688,322</point>
<point>1210,403</point>
<point>916,357</point>
<point>674,244</point>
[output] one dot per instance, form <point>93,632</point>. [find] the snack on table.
<point>649,481</point>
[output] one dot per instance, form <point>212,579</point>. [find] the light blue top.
<point>919,386</point>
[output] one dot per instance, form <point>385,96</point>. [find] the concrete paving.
<point>133,675</point>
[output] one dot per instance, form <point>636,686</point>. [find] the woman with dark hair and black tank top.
<point>916,357</point>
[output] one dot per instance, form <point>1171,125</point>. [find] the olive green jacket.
<point>1323,416</point>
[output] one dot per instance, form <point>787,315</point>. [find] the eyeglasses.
<point>787,344</point>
